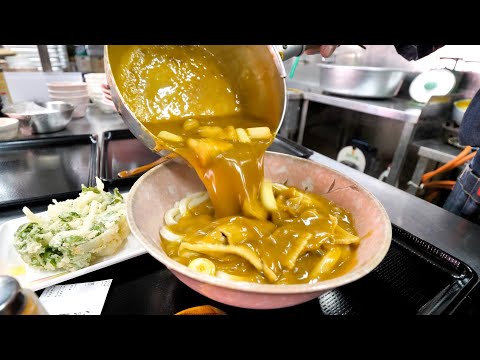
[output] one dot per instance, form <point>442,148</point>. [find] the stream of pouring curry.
<point>165,87</point>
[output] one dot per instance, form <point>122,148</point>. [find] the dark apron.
<point>464,200</point>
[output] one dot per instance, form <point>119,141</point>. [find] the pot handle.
<point>289,51</point>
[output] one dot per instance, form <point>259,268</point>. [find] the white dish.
<point>8,128</point>
<point>68,93</point>
<point>12,264</point>
<point>436,82</point>
<point>67,85</point>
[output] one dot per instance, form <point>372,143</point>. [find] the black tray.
<point>414,278</point>
<point>122,151</point>
<point>286,146</point>
<point>34,171</point>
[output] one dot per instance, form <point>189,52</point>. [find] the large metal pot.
<point>360,81</point>
<point>256,71</point>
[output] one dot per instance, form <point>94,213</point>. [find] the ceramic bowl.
<point>8,128</point>
<point>67,86</point>
<point>80,103</point>
<point>158,189</point>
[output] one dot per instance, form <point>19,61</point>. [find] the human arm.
<point>409,52</point>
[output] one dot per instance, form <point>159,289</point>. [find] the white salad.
<point>74,232</point>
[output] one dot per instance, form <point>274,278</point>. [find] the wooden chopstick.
<point>141,169</point>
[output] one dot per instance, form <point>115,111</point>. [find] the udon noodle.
<point>307,240</point>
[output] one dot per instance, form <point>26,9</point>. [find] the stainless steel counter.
<point>94,122</point>
<point>395,108</point>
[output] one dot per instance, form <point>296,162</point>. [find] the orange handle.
<point>459,160</point>
<point>442,184</point>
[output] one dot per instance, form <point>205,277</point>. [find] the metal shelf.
<point>437,150</point>
<point>430,152</point>
<point>395,108</point>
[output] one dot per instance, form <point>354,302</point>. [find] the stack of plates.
<point>98,92</point>
<point>74,93</point>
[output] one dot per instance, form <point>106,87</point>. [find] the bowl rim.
<point>8,122</point>
<point>67,91</point>
<point>54,85</point>
<point>69,97</point>
<point>278,289</point>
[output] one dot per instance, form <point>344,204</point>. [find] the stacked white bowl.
<point>96,83</point>
<point>74,93</point>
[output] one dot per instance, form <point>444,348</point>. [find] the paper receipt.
<point>76,299</point>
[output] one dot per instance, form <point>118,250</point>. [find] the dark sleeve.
<point>469,133</point>
<point>415,52</point>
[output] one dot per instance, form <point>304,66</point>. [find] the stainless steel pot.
<point>256,70</point>
<point>360,81</point>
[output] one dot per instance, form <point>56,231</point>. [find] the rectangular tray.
<point>414,278</point>
<point>35,171</point>
<point>122,151</point>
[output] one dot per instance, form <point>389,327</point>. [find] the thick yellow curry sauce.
<point>186,98</point>
<point>170,87</point>
<point>306,239</point>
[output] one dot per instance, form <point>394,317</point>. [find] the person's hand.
<point>107,96</point>
<point>324,50</point>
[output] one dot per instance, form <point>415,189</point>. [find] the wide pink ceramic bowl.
<point>158,189</point>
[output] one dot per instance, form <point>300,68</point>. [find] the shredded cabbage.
<point>74,232</point>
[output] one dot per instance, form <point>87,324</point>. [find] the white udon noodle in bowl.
<point>197,254</point>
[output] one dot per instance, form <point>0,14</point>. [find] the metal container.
<point>360,81</point>
<point>459,109</point>
<point>59,116</point>
<point>256,70</point>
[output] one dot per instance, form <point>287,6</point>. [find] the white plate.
<point>12,264</point>
<point>436,82</point>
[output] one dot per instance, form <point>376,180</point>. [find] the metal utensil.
<point>257,70</point>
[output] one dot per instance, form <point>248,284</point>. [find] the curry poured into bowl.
<point>246,228</point>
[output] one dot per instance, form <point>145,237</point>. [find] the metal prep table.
<point>430,152</point>
<point>396,108</point>
<point>448,232</point>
